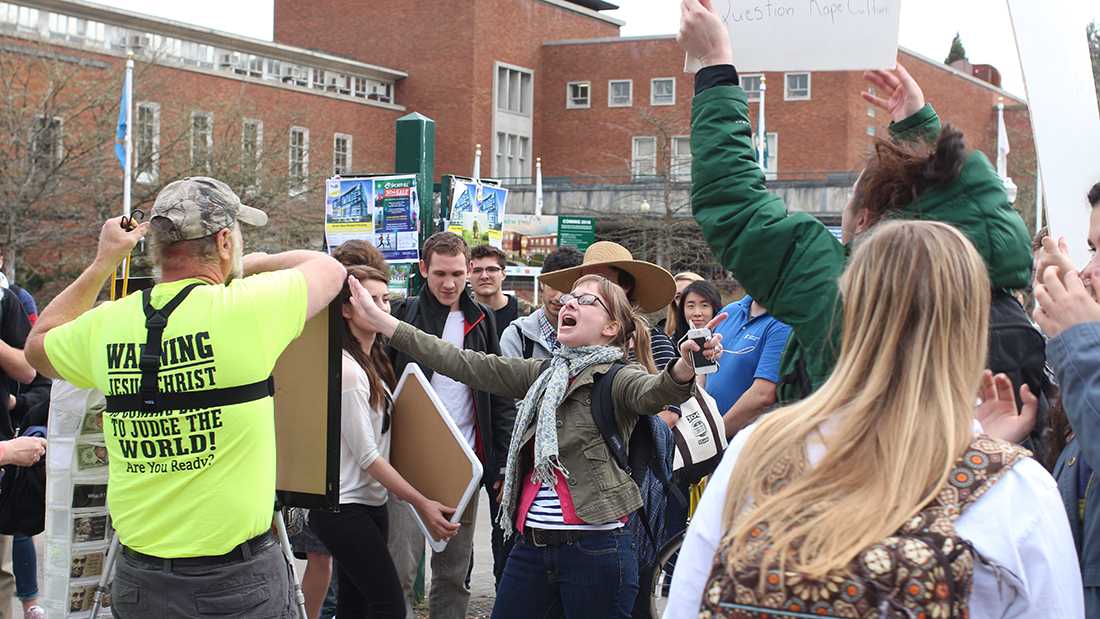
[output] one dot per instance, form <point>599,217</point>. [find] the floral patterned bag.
<point>923,570</point>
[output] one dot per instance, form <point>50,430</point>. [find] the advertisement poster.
<point>399,279</point>
<point>528,239</point>
<point>348,204</point>
<point>477,213</point>
<point>396,218</point>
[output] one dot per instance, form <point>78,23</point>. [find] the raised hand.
<point>1062,305</point>
<point>702,33</point>
<point>896,92</point>
<point>997,408</point>
<point>115,242</point>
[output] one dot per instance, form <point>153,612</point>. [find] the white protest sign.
<point>810,35</point>
<point>1054,56</point>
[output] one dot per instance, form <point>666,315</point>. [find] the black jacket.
<point>494,415</point>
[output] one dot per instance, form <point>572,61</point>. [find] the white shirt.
<point>361,438</point>
<point>1019,525</point>
<point>455,396</point>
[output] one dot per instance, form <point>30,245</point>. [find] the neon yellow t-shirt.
<point>194,482</point>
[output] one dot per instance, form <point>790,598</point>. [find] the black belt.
<point>242,552</point>
<point>542,538</point>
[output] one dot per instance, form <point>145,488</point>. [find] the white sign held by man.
<point>809,35</point>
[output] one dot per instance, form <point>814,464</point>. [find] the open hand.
<point>115,242</point>
<point>702,33</point>
<point>997,408</point>
<point>896,92</point>
<point>437,518</point>
<point>1062,305</point>
<point>366,314</point>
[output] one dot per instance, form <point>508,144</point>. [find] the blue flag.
<point>120,132</point>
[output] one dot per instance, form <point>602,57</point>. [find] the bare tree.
<point>59,176</point>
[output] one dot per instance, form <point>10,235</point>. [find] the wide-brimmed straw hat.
<point>653,285</point>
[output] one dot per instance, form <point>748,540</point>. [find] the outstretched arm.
<point>477,370</point>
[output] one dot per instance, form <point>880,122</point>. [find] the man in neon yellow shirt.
<point>192,460</point>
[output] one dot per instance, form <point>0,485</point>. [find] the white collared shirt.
<point>1019,525</point>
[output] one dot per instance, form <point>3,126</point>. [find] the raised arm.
<point>477,370</point>
<point>115,242</point>
<point>788,262</point>
<point>324,275</point>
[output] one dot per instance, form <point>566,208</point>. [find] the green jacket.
<point>602,492</point>
<point>790,262</point>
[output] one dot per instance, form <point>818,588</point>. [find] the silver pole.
<point>288,553</point>
<point>103,587</point>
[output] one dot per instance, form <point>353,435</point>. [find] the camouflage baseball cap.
<point>199,206</point>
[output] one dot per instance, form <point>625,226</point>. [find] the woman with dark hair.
<point>356,535</point>
<point>698,303</point>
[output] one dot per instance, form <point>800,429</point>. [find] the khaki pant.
<point>7,578</point>
<point>448,596</point>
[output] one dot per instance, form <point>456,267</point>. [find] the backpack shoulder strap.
<point>528,344</point>
<point>985,462</point>
<point>603,413</point>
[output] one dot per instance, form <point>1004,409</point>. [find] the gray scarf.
<point>540,407</point>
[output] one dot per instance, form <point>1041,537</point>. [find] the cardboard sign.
<point>428,449</point>
<point>307,415</point>
<point>1061,93</point>
<point>810,35</point>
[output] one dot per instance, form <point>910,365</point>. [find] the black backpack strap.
<point>603,413</point>
<point>155,322</point>
<point>528,344</point>
<point>148,398</point>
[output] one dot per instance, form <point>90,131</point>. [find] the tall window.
<point>202,141</point>
<point>662,91</point>
<point>620,93</point>
<point>147,142</point>
<point>643,159</point>
<point>514,90</point>
<point>341,153</point>
<point>46,143</point>
<point>578,95</point>
<point>771,154</point>
<point>299,159</point>
<point>796,87</point>
<point>751,85</point>
<point>680,165</point>
<point>252,145</point>
<point>513,154</point>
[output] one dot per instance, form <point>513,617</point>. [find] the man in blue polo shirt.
<point>744,385</point>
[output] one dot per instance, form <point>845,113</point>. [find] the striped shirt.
<point>545,513</point>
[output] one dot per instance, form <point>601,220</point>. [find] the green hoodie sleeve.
<point>924,125</point>
<point>790,263</point>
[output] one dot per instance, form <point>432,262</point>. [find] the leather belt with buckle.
<point>543,538</point>
<point>244,551</point>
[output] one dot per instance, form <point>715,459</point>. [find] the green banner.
<point>579,232</point>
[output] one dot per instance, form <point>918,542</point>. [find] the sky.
<point>927,26</point>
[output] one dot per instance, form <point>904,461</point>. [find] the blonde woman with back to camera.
<point>878,495</point>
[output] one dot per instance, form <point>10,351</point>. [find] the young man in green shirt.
<point>192,468</point>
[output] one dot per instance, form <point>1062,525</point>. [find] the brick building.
<point>524,78</point>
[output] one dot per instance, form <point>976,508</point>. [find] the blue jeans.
<point>596,576</point>
<point>25,566</point>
